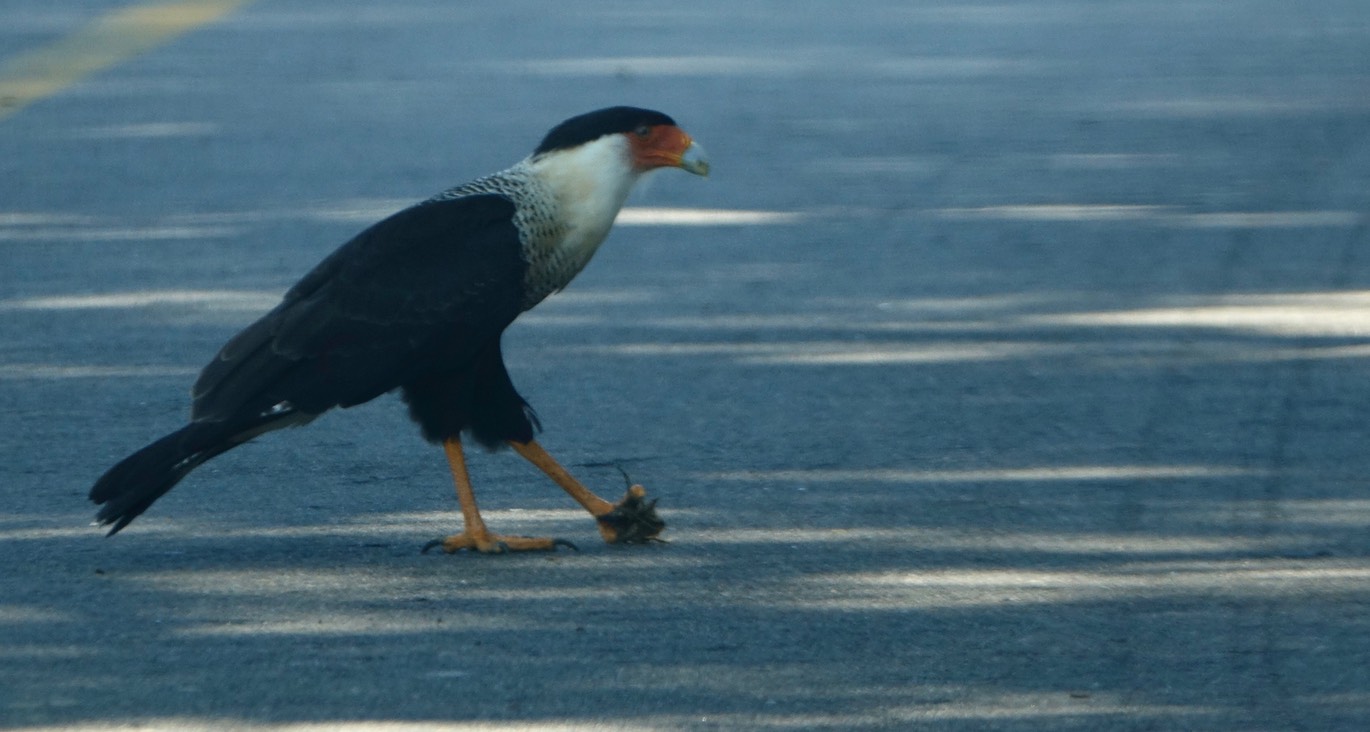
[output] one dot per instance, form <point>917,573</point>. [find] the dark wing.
<point>422,290</point>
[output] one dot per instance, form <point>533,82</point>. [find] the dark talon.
<point>562,542</point>
<point>430,545</point>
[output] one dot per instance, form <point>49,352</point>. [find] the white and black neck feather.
<point>586,187</point>
<point>569,191</point>
<point>565,202</point>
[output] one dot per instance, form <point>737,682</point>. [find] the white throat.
<point>590,182</point>
<point>586,186</point>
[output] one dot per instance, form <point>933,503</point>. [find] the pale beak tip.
<point>693,160</point>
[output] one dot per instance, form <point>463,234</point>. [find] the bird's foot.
<point>496,544</point>
<point>633,520</point>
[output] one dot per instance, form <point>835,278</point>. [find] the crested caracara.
<point>418,302</point>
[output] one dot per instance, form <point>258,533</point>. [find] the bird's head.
<point>653,139</point>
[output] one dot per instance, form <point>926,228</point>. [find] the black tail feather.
<point>130,487</point>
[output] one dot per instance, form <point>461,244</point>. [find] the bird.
<point>418,303</point>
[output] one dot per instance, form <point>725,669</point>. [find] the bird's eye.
<point>642,131</point>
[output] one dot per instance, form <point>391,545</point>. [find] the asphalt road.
<point>1009,372</point>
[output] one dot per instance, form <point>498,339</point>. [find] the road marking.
<point>112,38</point>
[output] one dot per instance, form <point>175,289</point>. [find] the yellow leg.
<point>476,536</point>
<point>632,521</point>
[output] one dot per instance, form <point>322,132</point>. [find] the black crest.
<point>594,125</point>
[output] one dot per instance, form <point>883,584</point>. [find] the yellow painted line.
<point>114,37</point>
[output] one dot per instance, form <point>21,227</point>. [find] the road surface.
<point>1009,372</point>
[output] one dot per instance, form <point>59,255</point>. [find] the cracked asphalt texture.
<point>1008,373</point>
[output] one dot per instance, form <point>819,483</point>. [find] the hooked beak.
<point>693,160</point>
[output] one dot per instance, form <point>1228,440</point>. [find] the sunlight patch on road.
<point>1052,473</point>
<point>662,216</point>
<point>997,539</point>
<point>1156,215</point>
<point>865,65</point>
<point>1053,212</point>
<point>247,300</point>
<point>835,353</point>
<point>147,130</point>
<point>1264,105</point>
<point>87,233</point>
<point>945,588</point>
<point>340,621</point>
<point>47,371</point>
<point>1314,314</point>
<point>199,724</point>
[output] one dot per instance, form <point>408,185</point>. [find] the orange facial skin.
<point>666,146</point>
